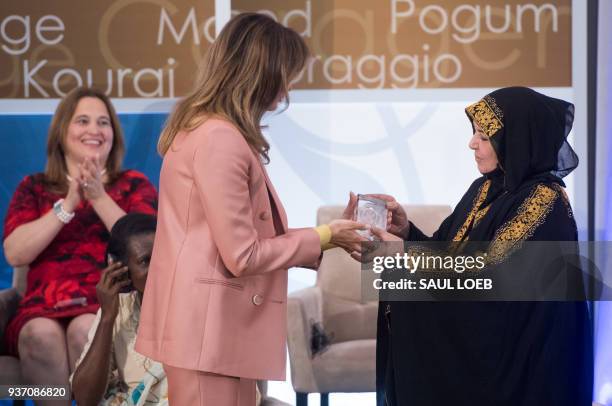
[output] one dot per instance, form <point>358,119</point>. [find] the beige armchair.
<point>349,362</point>
<point>10,370</point>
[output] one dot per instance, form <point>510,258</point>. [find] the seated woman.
<point>109,371</point>
<point>495,353</point>
<point>57,224</point>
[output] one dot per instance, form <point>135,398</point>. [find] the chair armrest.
<point>303,308</point>
<point>20,278</point>
<point>9,300</point>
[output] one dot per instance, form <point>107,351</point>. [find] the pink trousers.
<point>188,387</point>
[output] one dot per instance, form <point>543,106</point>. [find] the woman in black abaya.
<point>495,353</point>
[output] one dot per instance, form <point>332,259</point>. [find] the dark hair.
<point>128,226</point>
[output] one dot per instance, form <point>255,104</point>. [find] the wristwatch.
<point>62,214</point>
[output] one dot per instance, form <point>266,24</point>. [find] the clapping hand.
<point>91,178</point>
<point>73,198</point>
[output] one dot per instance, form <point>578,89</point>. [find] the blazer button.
<point>257,300</point>
<point>264,215</point>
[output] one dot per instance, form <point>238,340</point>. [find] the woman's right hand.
<point>114,277</point>
<point>73,198</point>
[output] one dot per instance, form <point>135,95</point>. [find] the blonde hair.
<point>56,170</point>
<point>243,72</point>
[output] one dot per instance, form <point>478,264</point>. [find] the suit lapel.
<point>280,210</point>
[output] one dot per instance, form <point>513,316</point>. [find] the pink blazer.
<point>216,293</point>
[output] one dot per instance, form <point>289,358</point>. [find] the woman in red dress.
<point>57,224</point>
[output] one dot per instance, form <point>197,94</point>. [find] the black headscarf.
<point>528,132</point>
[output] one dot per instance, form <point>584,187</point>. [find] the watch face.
<point>56,207</point>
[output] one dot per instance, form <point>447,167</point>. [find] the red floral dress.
<point>62,279</point>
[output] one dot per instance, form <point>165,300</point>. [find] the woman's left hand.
<point>91,179</point>
<point>92,186</point>
<point>349,210</point>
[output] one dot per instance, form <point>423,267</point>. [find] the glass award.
<point>371,211</point>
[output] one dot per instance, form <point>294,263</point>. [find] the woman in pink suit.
<point>214,312</point>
